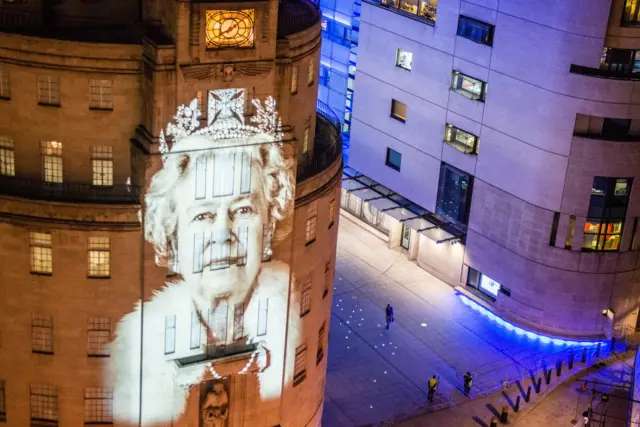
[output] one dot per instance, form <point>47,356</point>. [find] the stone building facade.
<point>85,95</point>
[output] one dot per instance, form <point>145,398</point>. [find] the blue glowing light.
<point>519,331</point>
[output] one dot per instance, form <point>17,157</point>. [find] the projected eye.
<point>203,216</point>
<point>244,210</point>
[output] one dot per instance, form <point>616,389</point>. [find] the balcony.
<point>295,16</point>
<point>327,144</point>
<point>604,73</point>
<point>69,192</point>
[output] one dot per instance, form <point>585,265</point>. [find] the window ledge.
<point>100,109</point>
<point>46,353</point>
<point>392,167</point>
<point>475,41</point>
<point>461,147</point>
<point>98,277</point>
<point>599,251</point>
<point>44,104</point>
<point>469,95</point>
<point>478,293</point>
<point>41,273</point>
<point>398,118</point>
<point>98,356</point>
<point>402,68</point>
<point>305,313</point>
<point>5,98</point>
<point>310,242</point>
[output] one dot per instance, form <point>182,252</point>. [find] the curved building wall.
<point>528,165</point>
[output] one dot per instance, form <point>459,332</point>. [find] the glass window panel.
<point>196,330</point>
<point>7,156</point>
<point>404,58</point>
<point>220,250</point>
<point>238,321</point>
<point>454,195</point>
<point>201,177</point>
<point>198,252</point>
<point>223,173</point>
<point>218,324</point>
<point>263,314</point>
<point>169,334</point>
<point>245,174</point>
<point>243,241</point>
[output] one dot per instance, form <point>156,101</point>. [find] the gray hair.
<point>161,216</point>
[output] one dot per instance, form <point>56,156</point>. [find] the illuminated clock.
<point>230,28</point>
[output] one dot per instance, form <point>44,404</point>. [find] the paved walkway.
<point>377,375</point>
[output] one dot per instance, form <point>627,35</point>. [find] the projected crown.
<point>225,119</point>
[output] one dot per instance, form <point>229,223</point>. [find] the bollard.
<point>571,361</point>
<point>504,417</point>
<point>516,408</point>
<point>584,355</point>
<point>598,350</point>
<point>494,422</point>
<point>539,385</point>
<point>528,396</point>
<point>547,375</point>
<point>559,368</point>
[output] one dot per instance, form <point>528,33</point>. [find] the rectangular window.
<point>267,235</point>
<point>170,334</point>
<point>332,212</point>
<point>300,365</point>
<point>98,405</point>
<point>49,90</point>
<point>238,321</point>
<point>295,70</point>
<point>476,31</point>
<point>404,58</point>
<point>327,280</point>
<point>218,324</point>
<point>305,298</point>
<point>423,8</point>
<point>398,110</point>
<point>101,95</point>
<point>201,105</point>
<point>310,229</point>
<point>198,252</point>
<point>554,229</point>
<point>606,214</point>
<point>41,253</point>
<point>468,86</point>
<point>196,331</point>
<point>201,177</point>
<point>615,129</point>
<point>312,71</point>
<point>571,229</point>
<point>245,173</point>
<point>51,152</point>
<point>631,12</point>
<point>263,315</point>
<point>98,337</point>
<point>220,253</point>
<point>7,156</point>
<point>99,257</point>
<point>320,352</point>
<point>5,83</point>
<point>242,244</point>
<point>3,403</point>
<point>483,283</point>
<point>634,229</point>
<point>324,76</point>
<point>102,165</point>
<point>460,139</point>
<point>454,195</point>
<point>305,141</point>
<point>224,165</point>
<point>42,334</point>
<point>394,159</point>
<point>44,403</point>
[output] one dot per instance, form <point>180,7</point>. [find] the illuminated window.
<point>468,86</point>
<point>49,90</point>
<point>327,280</point>
<point>170,334</point>
<point>295,70</point>
<point>606,214</point>
<point>311,75</point>
<point>460,140</point>
<point>98,336</point>
<point>242,244</point>
<point>3,403</point>
<point>51,152</point>
<point>454,195</point>
<point>196,331</point>
<point>263,315</point>
<point>332,212</point>
<point>320,352</point>
<point>200,100</point>
<point>404,58</point>
<point>310,230</point>
<point>102,165</point>
<point>238,321</point>
<point>398,110</point>
<point>99,257</point>
<point>101,95</point>
<point>218,324</point>
<point>300,365</point>
<point>42,334</point>
<point>305,141</point>
<point>631,12</point>
<point>5,83</point>
<point>7,156</point>
<point>41,253</point>
<point>267,236</point>
<point>423,8</point>
<point>44,403</point>
<point>305,298</point>
<point>245,173</point>
<point>394,159</point>
<point>485,284</point>
<point>230,28</point>
<point>476,31</point>
<point>571,228</point>
<point>98,405</point>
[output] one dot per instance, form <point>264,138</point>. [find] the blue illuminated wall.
<point>340,26</point>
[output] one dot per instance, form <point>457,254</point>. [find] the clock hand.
<point>233,26</point>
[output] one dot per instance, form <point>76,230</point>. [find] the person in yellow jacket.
<point>433,385</point>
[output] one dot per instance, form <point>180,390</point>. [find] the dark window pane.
<point>454,194</point>
<point>477,31</point>
<point>394,159</point>
<point>615,128</point>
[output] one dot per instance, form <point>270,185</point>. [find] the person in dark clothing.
<point>388,315</point>
<point>468,380</point>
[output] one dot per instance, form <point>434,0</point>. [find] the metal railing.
<point>69,191</point>
<point>295,16</point>
<point>327,144</point>
<point>604,73</point>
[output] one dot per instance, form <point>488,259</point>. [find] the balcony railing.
<point>425,11</point>
<point>604,73</point>
<point>295,16</point>
<point>69,192</point>
<point>327,143</point>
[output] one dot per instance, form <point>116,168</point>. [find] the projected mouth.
<point>221,263</point>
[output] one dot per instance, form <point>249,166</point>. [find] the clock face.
<point>230,28</point>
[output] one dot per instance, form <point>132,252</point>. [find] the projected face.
<point>220,224</point>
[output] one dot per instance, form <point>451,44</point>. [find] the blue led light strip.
<point>522,332</point>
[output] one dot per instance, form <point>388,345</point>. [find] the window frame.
<point>388,161</point>
<point>444,167</point>
<point>396,116</point>
<point>3,401</point>
<point>311,78</point>
<point>475,23</point>
<point>99,249</point>
<point>398,62</point>
<point>295,75</point>
<point>103,89</point>
<point>42,336</point>
<point>5,83</point>
<point>44,398</point>
<point>630,14</point>
<point>455,75</point>
<point>300,365</point>
<point>98,396</point>
<point>332,212</point>
<point>170,328</point>
<point>305,297</point>
<point>49,90</point>
<point>263,307</point>
<point>98,337</point>
<point>102,166</point>
<point>327,271</point>
<point>7,156</point>
<point>451,131</point>
<point>320,350</point>
<point>311,224</point>
<point>52,162</point>
<point>41,253</point>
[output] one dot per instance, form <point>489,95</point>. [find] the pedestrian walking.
<point>468,380</point>
<point>433,386</point>
<point>586,414</point>
<point>388,315</point>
